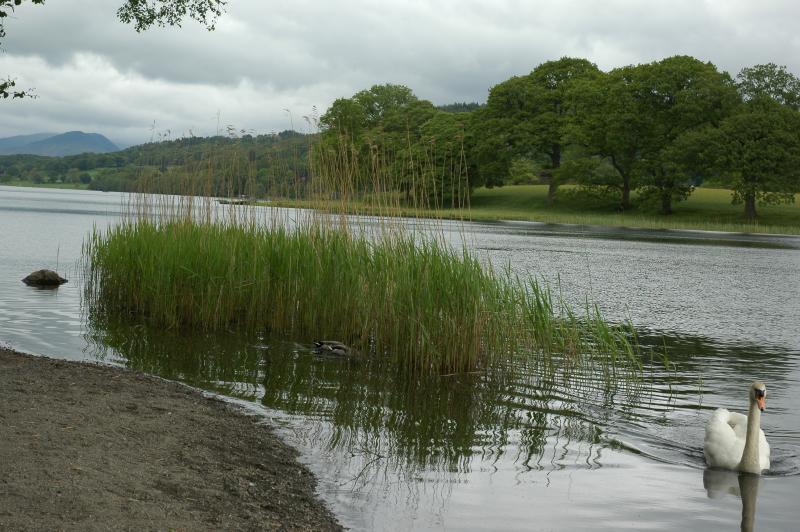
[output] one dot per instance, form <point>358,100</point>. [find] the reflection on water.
<point>420,423</point>
<point>388,445</point>
<point>516,447</point>
<point>743,485</point>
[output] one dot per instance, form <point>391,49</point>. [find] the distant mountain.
<point>8,144</point>
<point>71,143</point>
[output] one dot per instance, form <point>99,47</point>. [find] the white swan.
<point>734,441</point>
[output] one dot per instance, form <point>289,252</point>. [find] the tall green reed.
<point>186,263</point>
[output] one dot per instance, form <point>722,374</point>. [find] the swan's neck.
<point>750,460</point>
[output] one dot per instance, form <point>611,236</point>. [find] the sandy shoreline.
<point>89,447</point>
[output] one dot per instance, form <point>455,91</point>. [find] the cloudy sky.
<point>270,63</point>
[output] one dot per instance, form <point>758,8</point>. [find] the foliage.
<point>609,123</point>
<point>758,148</point>
<point>7,7</point>
<point>388,126</point>
<point>707,209</point>
<point>7,90</point>
<point>634,115</point>
<point>680,94</point>
<point>145,13</point>
<point>7,86</point>
<point>772,81</point>
<point>649,132</point>
<point>460,107</point>
<point>263,165</point>
<point>409,297</point>
<point>527,117</point>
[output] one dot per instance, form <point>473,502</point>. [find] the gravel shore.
<point>90,447</point>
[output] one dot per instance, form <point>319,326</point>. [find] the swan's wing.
<point>738,423</point>
<point>724,441</point>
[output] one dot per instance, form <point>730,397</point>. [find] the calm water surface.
<point>507,449</point>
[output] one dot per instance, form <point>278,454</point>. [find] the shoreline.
<point>633,220</point>
<point>92,447</point>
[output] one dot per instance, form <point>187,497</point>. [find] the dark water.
<point>508,449</point>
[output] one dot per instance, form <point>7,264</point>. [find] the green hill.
<point>70,143</point>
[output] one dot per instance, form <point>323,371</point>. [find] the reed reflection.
<point>384,420</point>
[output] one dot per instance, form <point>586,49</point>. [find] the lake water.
<point>506,449</point>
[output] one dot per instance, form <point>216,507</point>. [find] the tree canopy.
<point>758,150</point>
<point>527,117</point>
<point>770,81</point>
<point>405,141</point>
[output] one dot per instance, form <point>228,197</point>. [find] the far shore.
<point>91,447</point>
<point>707,209</point>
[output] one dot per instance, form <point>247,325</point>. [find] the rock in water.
<point>44,278</point>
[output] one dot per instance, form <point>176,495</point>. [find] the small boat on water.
<point>241,200</point>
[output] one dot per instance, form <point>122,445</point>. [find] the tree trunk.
<point>626,193</point>
<point>750,206</point>
<point>666,203</point>
<point>555,164</point>
<point>551,191</point>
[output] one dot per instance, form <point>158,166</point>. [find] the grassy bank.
<point>69,186</point>
<point>707,209</point>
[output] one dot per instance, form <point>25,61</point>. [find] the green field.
<point>71,186</point>
<point>706,209</point>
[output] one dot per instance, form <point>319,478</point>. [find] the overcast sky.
<point>95,74</point>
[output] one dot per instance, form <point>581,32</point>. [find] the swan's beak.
<point>762,403</point>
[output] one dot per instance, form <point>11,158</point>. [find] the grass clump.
<point>416,300</point>
<point>433,309</point>
<point>189,264</point>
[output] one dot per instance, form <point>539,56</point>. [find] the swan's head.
<point>758,395</point>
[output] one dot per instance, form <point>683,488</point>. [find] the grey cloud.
<point>267,56</point>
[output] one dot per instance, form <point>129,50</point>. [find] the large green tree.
<point>141,13</point>
<point>609,122</point>
<point>757,150</point>
<point>633,116</point>
<point>376,132</point>
<point>678,95</point>
<point>441,150</point>
<point>527,117</point>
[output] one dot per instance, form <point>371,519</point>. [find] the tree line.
<point>642,134</point>
<point>236,164</point>
<point>657,129</point>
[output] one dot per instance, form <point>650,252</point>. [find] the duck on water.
<point>332,348</point>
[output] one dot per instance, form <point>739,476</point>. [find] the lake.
<point>509,448</point>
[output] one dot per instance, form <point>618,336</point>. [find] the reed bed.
<point>187,264</point>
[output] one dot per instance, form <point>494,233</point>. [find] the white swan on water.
<point>735,441</point>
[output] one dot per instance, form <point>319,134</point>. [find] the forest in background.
<point>639,135</point>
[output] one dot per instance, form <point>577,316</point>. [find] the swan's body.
<point>735,441</point>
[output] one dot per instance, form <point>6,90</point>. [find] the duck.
<point>736,442</point>
<point>332,348</point>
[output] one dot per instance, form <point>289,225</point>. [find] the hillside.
<point>70,143</point>
<point>9,145</point>
<point>275,164</point>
